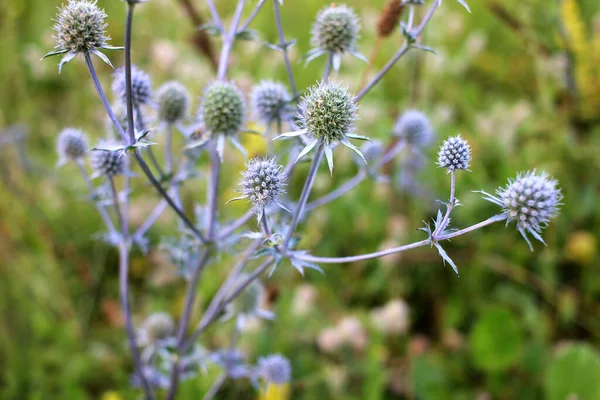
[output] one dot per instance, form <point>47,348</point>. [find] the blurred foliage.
<point>518,78</point>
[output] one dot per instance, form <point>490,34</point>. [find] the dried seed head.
<point>141,86</point>
<point>263,182</point>
<point>336,29</point>
<point>158,326</point>
<point>531,200</point>
<point>223,109</point>
<point>413,127</point>
<point>109,163</point>
<point>275,369</point>
<point>328,112</point>
<point>389,17</point>
<point>173,102</point>
<point>271,102</point>
<point>455,153</point>
<point>71,144</point>
<point>80,27</point>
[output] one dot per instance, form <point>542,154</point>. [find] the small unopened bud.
<point>455,153</point>
<point>71,144</point>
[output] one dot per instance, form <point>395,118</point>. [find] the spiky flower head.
<point>336,29</point>
<point>173,102</point>
<point>80,27</point>
<point>141,86</point>
<point>71,144</point>
<point>223,109</point>
<point>108,162</point>
<point>455,153</point>
<point>263,183</point>
<point>158,326</point>
<point>372,150</point>
<point>271,102</point>
<point>413,127</point>
<point>328,112</point>
<point>531,200</point>
<point>275,369</point>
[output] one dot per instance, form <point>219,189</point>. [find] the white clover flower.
<point>531,200</point>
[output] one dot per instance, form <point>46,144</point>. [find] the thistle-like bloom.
<point>327,115</point>
<point>275,369</point>
<point>222,112</point>
<point>531,200</point>
<point>141,86</point>
<point>455,153</point>
<point>80,28</point>
<point>271,102</point>
<point>335,31</point>
<point>157,326</point>
<point>71,145</point>
<point>108,162</point>
<point>263,183</point>
<point>173,102</point>
<point>413,127</point>
<point>248,303</point>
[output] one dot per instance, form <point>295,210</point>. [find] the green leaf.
<point>247,34</point>
<point>496,340</point>
<point>574,373</point>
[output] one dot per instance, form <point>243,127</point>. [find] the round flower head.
<point>173,102</point>
<point>80,27</point>
<point>455,153</point>
<point>372,150</point>
<point>71,144</point>
<point>336,29</point>
<point>262,183</point>
<point>271,102</point>
<point>413,127</point>
<point>108,162</point>
<point>141,86</point>
<point>275,369</point>
<point>223,109</point>
<point>158,326</point>
<point>531,200</point>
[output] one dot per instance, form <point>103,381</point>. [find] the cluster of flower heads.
<point>531,200</point>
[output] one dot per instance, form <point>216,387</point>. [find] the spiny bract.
<point>263,182</point>
<point>336,29</point>
<point>109,163</point>
<point>271,102</point>
<point>414,128</point>
<point>71,144</point>
<point>455,153</point>
<point>223,109</point>
<point>531,200</point>
<point>173,102</point>
<point>141,86</point>
<point>275,369</point>
<point>328,112</point>
<point>80,27</point>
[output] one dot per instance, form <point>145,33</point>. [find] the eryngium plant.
<point>166,351</point>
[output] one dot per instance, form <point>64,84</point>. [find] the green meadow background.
<point>520,79</point>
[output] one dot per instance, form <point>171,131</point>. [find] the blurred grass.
<point>497,331</point>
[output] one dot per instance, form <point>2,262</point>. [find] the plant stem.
<point>253,15</point>
<point>213,192</point>
<point>215,15</point>
<point>340,260</point>
<point>215,387</point>
<point>101,209</point>
<point>115,195</point>
<point>128,84</point>
<point>340,191</point>
<point>286,57</point>
<point>449,208</point>
<point>310,179</point>
<point>228,40</point>
<point>169,150</point>
<point>328,65</point>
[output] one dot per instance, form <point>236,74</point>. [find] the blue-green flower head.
<point>173,102</point>
<point>108,162</point>
<point>80,27</point>
<point>141,86</point>
<point>271,102</point>
<point>223,109</point>
<point>454,154</point>
<point>530,200</point>
<point>275,369</point>
<point>328,112</point>
<point>336,29</point>
<point>414,128</point>
<point>71,144</point>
